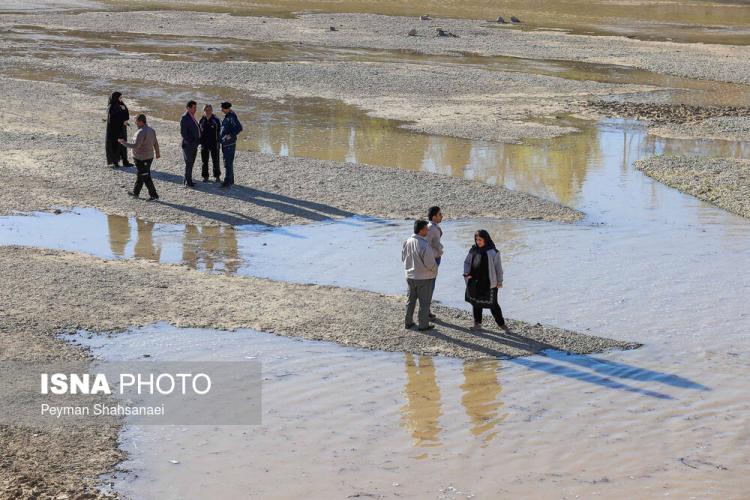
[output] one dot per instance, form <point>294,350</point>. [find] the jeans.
<point>419,290</point>
<point>189,153</point>
<point>497,313</point>
<point>213,152</point>
<point>228,154</point>
<point>143,176</point>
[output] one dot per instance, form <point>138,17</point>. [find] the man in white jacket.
<point>420,269</point>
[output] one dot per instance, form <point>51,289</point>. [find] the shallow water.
<point>339,422</point>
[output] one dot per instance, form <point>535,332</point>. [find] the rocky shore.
<point>720,181</point>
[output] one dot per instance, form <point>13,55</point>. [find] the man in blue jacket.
<point>191,138</point>
<point>230,128</point>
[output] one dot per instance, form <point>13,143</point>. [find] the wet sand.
<point>721,181</point>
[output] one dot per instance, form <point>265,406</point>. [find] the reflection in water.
<point>211,248</point>
<point>421,413</point>
<point>119,234</point>
<point>480,398</point>
<point>144,246</point>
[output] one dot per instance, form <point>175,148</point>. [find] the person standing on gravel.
<point>230,128</point>
<point>434,233</point>
<point>210,127</point>
<point>420,269</point>
<point>145,147</point>
<point>483,272</point>
<point>117,128</point>
<point>191,138</point>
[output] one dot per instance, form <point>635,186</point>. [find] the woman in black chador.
<point>117,116</point>
<point>483,272</point>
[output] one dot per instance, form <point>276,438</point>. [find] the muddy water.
<point>340,422</point>
<point>686,20</point>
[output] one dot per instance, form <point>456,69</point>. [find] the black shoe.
<point>153,198</point>
<point>409,326</point>
<point>217,180</point>
<point>115,165</point>
<point>130,193</point>
<point>425,328</point>
<point>128,165</point>
<point>205,179</point>
<point>224,185</point>
<point>190,184</point>
<point>431,316</point>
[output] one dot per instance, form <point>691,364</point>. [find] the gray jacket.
<point>494,264</point>
<point>144,144</point>
<point>433,237</point>
<point>418,258</point>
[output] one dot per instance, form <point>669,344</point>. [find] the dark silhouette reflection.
<point>622,370</point>
<point>145,248</point>
<point>552,353</point>
<point>421,413</point>
<point>119,234</point>
<point>213,248</point>
<point>480,398</point>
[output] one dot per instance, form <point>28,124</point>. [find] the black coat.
<point>117,115</point>
<point>190,131</point>
<point>210,131</point>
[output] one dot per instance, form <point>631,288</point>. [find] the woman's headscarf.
<point>114,99</point>
<point>488,243</point>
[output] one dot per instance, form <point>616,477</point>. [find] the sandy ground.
<point>57,160</point>
<point>48,292</point>
<point>710,62</point>
<point>723,182</point>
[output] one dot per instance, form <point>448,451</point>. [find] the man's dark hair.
<point>190,104</point>
<point>141,118</point>
<point>226,105</point>
<point>432,212</point>
<point>419,225</point>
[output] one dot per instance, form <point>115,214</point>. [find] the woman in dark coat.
<point>117,116</point>
<point>483,272</point>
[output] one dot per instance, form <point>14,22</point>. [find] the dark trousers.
<point>189,153</point>
<point>437,260</point>
<point>116,152</point>
<point>143,176</point>
<point>419,290</point>
<point>213,152</point>
<point>497,313</point>
<point>228,153</point>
